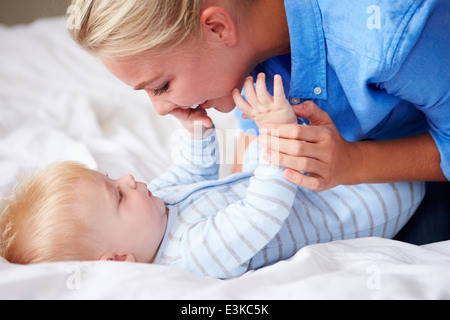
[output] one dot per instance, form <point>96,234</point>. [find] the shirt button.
<point>318,90</point>
<point>295,100</point>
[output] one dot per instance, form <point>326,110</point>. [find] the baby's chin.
<point>160,205</point>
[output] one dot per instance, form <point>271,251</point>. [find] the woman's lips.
<point>150,194</point>
<point>200,104</point>
<point>194,106</point>
<point>204,106</point>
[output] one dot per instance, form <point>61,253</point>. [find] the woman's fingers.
<point>310,181</point>
<point>302,164</point>
<point>293,131</point>
<point>303,171</point>
<point>311,111</point>
<point>294,148</point>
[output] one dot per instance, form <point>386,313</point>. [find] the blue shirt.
<point>380,68</point>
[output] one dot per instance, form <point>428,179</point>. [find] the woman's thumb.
<point>316,116</point>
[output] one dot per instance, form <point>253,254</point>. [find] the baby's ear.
<point>116,257</point>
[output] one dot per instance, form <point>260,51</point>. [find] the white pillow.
<point>3,260</point>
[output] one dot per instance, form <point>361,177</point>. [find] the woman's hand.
<point>318,149</point>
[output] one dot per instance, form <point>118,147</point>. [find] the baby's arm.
<point>260,106</point>
<point>222,245</point>
<point>195,159</point>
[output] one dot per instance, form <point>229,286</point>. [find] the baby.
<point>186,218</point>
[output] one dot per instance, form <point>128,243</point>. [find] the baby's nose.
<point>131,182</point>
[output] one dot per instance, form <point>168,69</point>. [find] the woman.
<point>374,74</point>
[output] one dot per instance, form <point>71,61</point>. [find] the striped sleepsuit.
<point>225,227</point>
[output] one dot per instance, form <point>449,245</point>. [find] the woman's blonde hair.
<point>123,28</point>
<point>38,222</point>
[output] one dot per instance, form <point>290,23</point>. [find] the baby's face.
<point>128,219</point>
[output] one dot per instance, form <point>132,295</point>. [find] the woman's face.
<point>196,74</point>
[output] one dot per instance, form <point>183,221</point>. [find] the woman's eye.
<point>158,92</point>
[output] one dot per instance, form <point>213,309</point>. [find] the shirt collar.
<point>172,216</point>
<point>308,51</point>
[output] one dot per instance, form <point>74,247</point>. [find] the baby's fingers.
<point>264,96</point>
<point>240,102</point>
<point>278,89</point>
<point>250,93</point>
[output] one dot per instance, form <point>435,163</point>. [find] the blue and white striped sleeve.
<point>222,245</point>
<point>194,161</point>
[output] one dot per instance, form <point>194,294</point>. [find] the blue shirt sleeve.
<point>424,79</point>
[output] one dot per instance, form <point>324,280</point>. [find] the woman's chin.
<point>224,105</point>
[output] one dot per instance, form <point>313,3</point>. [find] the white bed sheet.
<point>57,103</point>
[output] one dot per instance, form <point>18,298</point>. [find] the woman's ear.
<point>115,257</point>
<point>219,25</point>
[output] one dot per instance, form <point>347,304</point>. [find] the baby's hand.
<point>260,106</point>
<point>194,121</point>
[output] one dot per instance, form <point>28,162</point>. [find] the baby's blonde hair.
<point>124,28</point>
<point>38,223</point>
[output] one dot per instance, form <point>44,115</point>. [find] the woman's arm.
<point>409,159</point>
<point>330,160</point>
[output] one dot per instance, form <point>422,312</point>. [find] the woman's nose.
<point>161,106</point>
